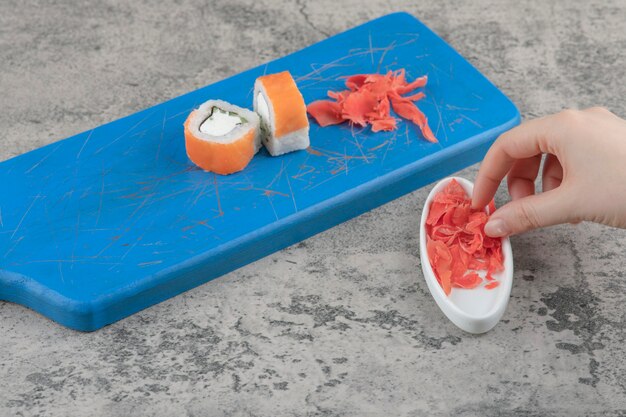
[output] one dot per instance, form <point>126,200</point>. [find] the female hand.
<point>584,173</point>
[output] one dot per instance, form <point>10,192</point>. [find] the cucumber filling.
<point>221,122</point>
<point>264,111</point>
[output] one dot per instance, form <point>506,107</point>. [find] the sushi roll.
<point>221,137</point>
<point>284,122</point>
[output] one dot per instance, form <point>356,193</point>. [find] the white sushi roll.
<point>284,121</point>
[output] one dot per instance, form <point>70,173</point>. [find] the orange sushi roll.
<point>221,137</point>
<point>284,122</point>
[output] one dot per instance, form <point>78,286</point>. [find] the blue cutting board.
<point>98,226</point>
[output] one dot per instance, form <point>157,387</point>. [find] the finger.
<point>528,213</point>
<point>527,140</point>
<point>552,173</point>
<point>521,178</point>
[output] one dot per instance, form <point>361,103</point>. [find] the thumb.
<point>528,213</point>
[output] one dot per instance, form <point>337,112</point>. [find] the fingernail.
<point>496,228</point>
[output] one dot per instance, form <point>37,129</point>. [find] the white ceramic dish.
<point>477,310</point>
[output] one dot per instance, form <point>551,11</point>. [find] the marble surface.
<point>341,324</point>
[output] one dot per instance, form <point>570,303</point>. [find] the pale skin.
<point>584,173</point>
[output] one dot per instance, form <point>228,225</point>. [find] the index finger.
<point>532,138</point>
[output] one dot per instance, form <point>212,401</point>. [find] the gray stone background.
<point>341,324</point>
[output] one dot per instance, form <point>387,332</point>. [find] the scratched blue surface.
<point>110,221</point>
